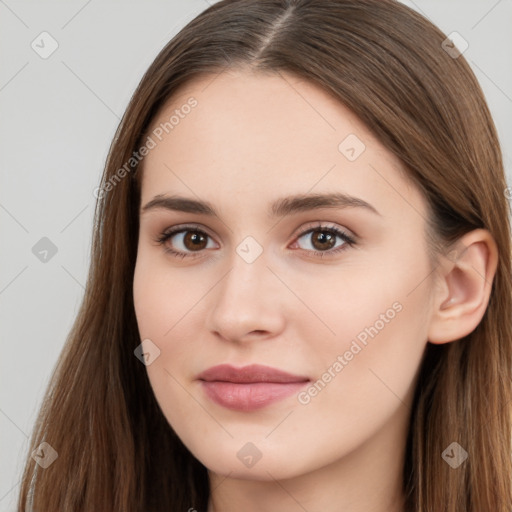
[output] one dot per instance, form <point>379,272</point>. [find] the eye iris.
<point>323,237</point>
<point>196,239</point>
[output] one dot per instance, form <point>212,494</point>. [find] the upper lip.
<point>247,374</point>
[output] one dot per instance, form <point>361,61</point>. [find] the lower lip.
<point>250,396</point>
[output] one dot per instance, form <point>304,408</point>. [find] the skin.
<point>250,140</point>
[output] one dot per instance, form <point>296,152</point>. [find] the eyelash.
<point>166,235</point>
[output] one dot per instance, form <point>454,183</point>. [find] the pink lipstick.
<point>250,387</point>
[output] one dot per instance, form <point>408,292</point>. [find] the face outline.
<point>258,138</point>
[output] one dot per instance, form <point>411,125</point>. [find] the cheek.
<point>161,297</point>
<point>379,324</point>
<point>158,310</point>
<point>363,300</point>
<point>166,307</point>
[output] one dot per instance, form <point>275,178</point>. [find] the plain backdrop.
<point>58,115</point>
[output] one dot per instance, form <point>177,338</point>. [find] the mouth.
<point>250,387</point>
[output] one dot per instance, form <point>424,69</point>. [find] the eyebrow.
<point>280,208</point>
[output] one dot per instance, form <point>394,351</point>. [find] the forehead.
<point>277,112</point>
<point>263,135</point>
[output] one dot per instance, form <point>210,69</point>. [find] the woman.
<point>299,295</point>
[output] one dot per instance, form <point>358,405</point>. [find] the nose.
<point>248,302</point>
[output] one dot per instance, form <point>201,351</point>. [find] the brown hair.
<point>386,63</point>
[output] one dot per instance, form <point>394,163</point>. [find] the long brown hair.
<point>387,64</point>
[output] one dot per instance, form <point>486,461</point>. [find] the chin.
<point>278,466</point>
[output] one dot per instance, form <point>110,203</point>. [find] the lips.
<point>248,374</point>
<point>250,387</point>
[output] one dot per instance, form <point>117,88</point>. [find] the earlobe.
<point>466,276</point>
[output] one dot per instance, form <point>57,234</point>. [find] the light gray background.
<point>58,116</point>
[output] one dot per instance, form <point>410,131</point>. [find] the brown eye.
<point>322,240</point>
<point>184,241</point>
<point>194,240</point>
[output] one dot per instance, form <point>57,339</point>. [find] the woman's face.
<point>335,292</point>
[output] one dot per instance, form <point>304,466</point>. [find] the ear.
<point>465,282</point>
